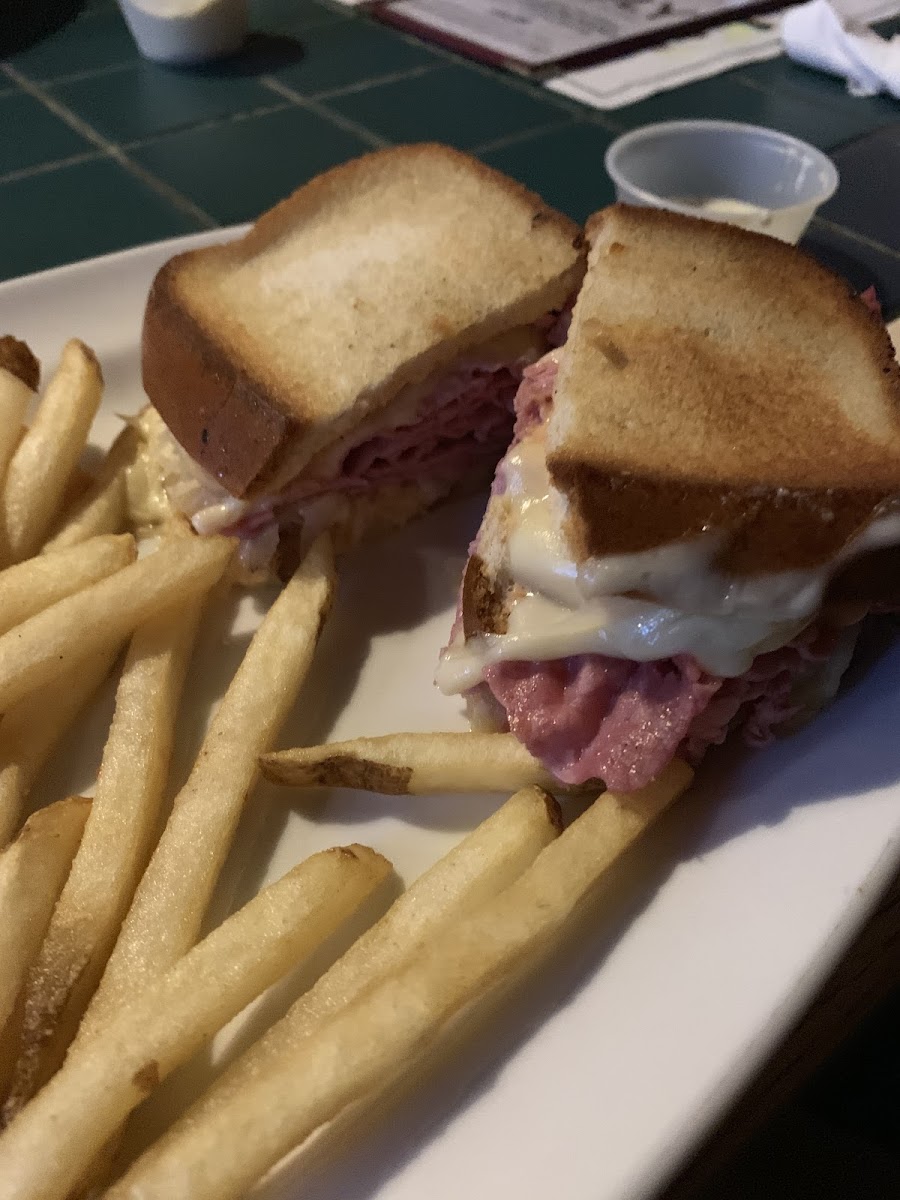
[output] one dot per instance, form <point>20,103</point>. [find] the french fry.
<point>15,397</point>
<point>103,508</point>
<point>33,585</point>
<point>47,455</point>
<point>399,764</point>
<point>114,850</point>
<point>33,869</point>
<point>48,1146</point>
<point>16,358</point>
<point>42,648</point>
<point>361,1048</point>
<point>484,862</point>
<point>173,895</point>
<point>30,730</point>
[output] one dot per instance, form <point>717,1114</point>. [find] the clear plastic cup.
<point>723,171</point>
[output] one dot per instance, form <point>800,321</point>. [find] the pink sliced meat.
<point>472,423</point>
<point>593,717</point>
<point>533,402</point>
<point>762,699</point>
<point>870,299</point>
<point>463,426</point>
<point>534,398</point>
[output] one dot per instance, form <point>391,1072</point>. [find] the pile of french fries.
<point>106,985</point>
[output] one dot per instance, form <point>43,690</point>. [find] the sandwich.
<point>700,503</point>
<point>353,358</point>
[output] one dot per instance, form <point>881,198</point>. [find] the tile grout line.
<point>513,139</point>
<point>591,116</point>
<point>115,68</point>
<point>118,68</point>
<point>153,139</point>
<point>46,168</point>
<point>376,81</point>
<point>183,203</point>
<point>853,236</point>
<point>509,78</point>
<point>793,94</point>
<point>320,110</point>
<point>576,109</point>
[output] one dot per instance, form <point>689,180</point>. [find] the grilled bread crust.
<point>716,379</point>
<point>373,276</point>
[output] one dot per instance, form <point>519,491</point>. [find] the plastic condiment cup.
<point>723,171</point>
<point>186,31</point>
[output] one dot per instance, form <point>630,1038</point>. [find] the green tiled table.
<point>100,150</point>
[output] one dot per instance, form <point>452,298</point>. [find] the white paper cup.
<point>186,31</point>
<point>723,171</point>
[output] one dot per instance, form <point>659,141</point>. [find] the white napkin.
<point>814,35</point>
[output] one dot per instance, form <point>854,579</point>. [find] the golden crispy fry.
<point>35,584</point>
<point>30,730</point>
<point>173,895</point>
<point>48,1146</point>
<point>33,869</point>
<point>399,764</point>
<point>114,851</point>
<point>484,863</point>
<point>42,648</point>
<point>15,396</point>
<point>364,1045</point>
<point>48,453</point>
<point>103,507</point>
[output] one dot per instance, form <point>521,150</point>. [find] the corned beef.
<point>870,299</point>
<point>594,717</point>
<point>763,699</point>
<point>534,398</point>
<point>463,426</point>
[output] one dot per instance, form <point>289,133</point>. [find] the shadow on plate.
<point>385,587</point>
<point>847,750</point>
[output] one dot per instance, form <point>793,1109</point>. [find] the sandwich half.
<point>700,502</point>
<point>354,357</point>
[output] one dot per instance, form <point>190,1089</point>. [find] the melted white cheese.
<point>541,630</point>
<point>166,478</point>
<point>571,607</point>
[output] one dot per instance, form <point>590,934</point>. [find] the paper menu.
<point>634,77</point>
<point>539,33</point>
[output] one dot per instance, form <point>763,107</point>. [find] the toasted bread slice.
<point>372,277</point>
<point>718,379</point>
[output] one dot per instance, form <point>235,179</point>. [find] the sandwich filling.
<point>606,667</point>
<point>448,430</point>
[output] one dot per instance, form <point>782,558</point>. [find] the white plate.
<point>598,1083</point>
